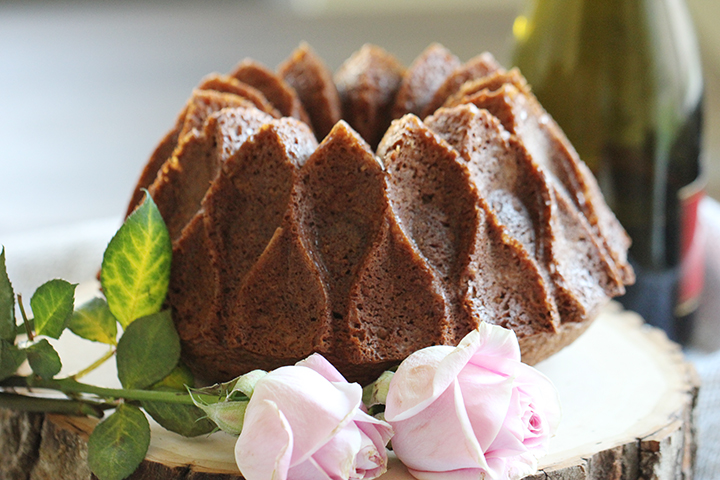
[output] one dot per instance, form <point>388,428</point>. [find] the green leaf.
<point>7,303</point>
<point>43,359</point>
<point>52,304</point>
<point>148,350</point>
<point>179,379</point>
<point>119,444</point>
<point>11,358</point>
<point>93,321</point>
<point>187,420</point>
<point>136,266</point>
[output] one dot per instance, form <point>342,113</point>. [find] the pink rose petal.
<point>301,393</point>
<point>544,394</point>
<point>308,470</point>
<point>412,387</point>
<point>379,431</point>
<point>305,422</point>
<point>318,363</point>
<point>265,445</point>
<point>487,399</point>
<point>444,443</point>
<point>463,474</point>
<point>509,440</point>
<point>497,342</point>
<point>338,456</point>
<point>472,412</point>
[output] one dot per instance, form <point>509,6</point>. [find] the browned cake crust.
<point>227,84</point>
<point>351,226</point>
<point>206,98</point>
<point>239,221</point>
<point>475,68</point>
<point>442,209</point>
<point>283,247</point>
<point>183,180</point>
<point>367,83</point>
<point>159,156</point>
<point>312,80</point>
<point>422,79</point>
<point>275,89</point>
<point>574,266</point>
<point>507,96</point>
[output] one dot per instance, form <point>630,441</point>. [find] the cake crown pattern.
<point>438,197</point>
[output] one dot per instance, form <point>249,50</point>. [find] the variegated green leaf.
<point>93,321</point>
<point>136,265</point>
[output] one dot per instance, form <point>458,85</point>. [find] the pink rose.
<point>471,412</point>
<point>305,422</point>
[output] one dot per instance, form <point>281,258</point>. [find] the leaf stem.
<point>26,322</point>
<point>69,386</point>
<point>108,355</point>
<point>52,405</point>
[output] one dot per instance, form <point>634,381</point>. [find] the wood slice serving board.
<point>627,393</point>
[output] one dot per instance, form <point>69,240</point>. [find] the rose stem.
<point>51,405</point>
<point>68,385</point>
<point>28,330</point>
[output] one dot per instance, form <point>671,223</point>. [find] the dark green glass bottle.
<point>624,81</point>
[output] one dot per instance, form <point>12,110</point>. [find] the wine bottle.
<point>623,79</point>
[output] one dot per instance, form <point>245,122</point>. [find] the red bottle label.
<point>692,244</point>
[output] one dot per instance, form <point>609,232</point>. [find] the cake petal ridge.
<point>477,67</point>
<point>422,79</point>
<point>276,90</point>
<point>367,83</point>
<point>305,71</point>
<point>522,115</point>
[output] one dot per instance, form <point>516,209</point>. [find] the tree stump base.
<point>628,397</point>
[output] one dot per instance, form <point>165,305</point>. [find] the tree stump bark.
<point>628,399</point>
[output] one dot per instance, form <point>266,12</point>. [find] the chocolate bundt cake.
<point>320,213</point>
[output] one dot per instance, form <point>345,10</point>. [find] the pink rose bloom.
<point>305,422</point>
<point>471,412</point>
